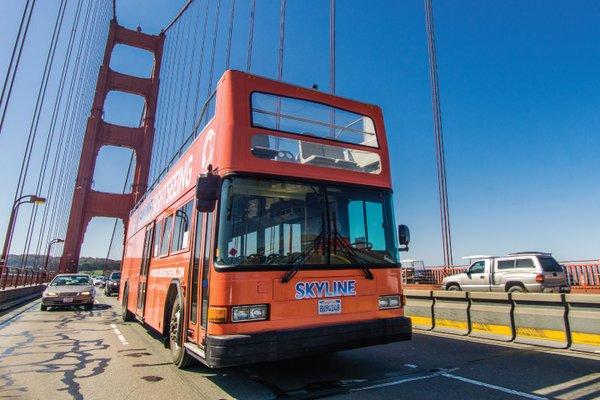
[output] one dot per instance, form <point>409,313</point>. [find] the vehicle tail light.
<point>218,315</point>
<point>539,278</point>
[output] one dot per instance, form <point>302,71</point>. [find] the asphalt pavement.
<point>76,354</point>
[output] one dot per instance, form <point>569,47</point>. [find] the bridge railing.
<point>20,277</point>
<point>580,275</point>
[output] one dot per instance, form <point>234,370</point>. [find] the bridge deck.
<point>85,355</point>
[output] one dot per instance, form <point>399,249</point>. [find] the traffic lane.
<point>439,366</point>
<point>74,354</point>
<point>138,366</point>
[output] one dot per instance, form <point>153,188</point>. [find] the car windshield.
<point>273,222</point>
<point>549,264</point>
<point>71,280</point>
<point>116,276</point>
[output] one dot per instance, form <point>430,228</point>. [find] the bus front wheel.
<point>179,356</point>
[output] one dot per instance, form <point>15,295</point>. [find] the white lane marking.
<point>410,365</point>
<point>548,390</point>
<point>495,387</point>
<point>120,336</point>
<point>398,382</point>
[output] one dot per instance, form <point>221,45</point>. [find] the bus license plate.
<point>329,306</point>
<point>68,300</point>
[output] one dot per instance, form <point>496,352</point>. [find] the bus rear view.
<point>293,247</point>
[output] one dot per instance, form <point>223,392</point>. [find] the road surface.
<point>71,354</point>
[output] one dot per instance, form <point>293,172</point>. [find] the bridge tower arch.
<point>88,203</point>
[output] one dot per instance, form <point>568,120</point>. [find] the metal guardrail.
<point>21,277</point>
<point>584,275</point>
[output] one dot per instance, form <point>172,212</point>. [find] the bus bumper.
<point>230,350</point>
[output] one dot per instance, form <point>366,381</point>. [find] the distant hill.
<point>85,263</point>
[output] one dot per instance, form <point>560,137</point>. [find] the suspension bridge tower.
<point>88,203</point>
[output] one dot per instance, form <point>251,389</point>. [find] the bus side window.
<point>158,237</point>
<point>166,235</point>
<point>205,269</point>
<point>196,267</point>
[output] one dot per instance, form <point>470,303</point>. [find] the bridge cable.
<point>51,186</point>
<point>16,60</point>
<point>49,142</point>
<point>231,21</point>
<point>214,48</point>
<point>251,35</point>
<point>439,137</point>
<point>34,210</point>
<point>202,50</point>
<point>38,107</point>
<point>282,7</point>
<point>332,46</point>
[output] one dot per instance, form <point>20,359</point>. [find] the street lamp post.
<point>11,222</point>
<point>53,241</point>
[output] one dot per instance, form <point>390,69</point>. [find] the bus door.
<point>198,304</point>
<point>144,266</point>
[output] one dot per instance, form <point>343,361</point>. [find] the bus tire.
<point>125,313</point>
<point>179,356</point>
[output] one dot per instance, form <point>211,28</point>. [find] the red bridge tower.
<point>88,203</point>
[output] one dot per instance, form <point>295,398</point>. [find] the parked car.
<point>68,290</point>
<point>517,272</point>
<point>112,284</point>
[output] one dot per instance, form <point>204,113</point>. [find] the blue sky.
<point>520,94</point>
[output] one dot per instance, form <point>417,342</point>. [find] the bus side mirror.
<point>207,192</point>
<point>403,237</point>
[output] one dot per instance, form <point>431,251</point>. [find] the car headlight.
<point>249,313</point>
<point>49,294</point>
<point>85,293</point>
<point>388,302</point>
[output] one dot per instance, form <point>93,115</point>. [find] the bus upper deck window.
<point>308,118</point>
<point>311,153</point>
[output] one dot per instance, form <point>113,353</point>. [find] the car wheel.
<point>179,356</point>
<point>453,287</point>
<point>125,313</point>
<point>43,308</point>
<point>516,289</point>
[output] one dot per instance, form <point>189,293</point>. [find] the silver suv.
<point>516,272</point>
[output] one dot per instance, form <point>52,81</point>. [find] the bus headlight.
<point>387,302</point>
<point>249,313</point>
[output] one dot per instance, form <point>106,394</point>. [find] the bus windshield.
<point>274,222</point>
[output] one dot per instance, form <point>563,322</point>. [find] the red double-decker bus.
<point>273,234</point>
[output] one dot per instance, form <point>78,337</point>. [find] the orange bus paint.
<point>224,145</point>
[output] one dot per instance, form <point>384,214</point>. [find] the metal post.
<point>53,241</point>
<point>11,222</point>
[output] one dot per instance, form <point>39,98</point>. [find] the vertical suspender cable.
<point>281,39</point>
<point>17,61</point>
<point>251,35</point>
<point>332,46</point>
<point>439,137</point>
<point>214,48</point>
<point>332,62</point>
<point>202,51</point>
<point>280,59</point>
<point>114,11</point>
<point>33,214</point>
<point>231,20</point>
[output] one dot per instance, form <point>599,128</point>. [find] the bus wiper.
<point>348,249</point>
<point>299,261</point>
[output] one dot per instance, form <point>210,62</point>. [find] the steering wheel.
<point>254,258</point>
<point>367,245</point>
